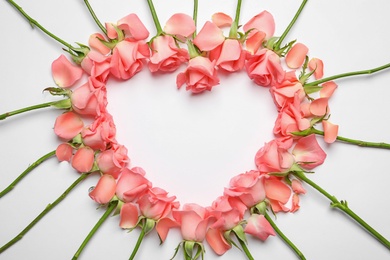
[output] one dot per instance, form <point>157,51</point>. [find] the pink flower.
<point>194,221</point>
<point>132,184</point>
<point>112,161</point>
<point>83,159</point>
<point>65,74</point>
<point>296,55</point>
<point>291,119</point>
<point>104,190</point>
<point>248,187</point>
<point>273,157</point>
<point>90,99</point>
<point>228,215</point>
<point>199,76</point>
<point>264,68</point>
<point>229,55</point>
<point>68,125</point>
<point>156,204</point>
<point>64,152</point>
<point>100,133</point>
<point>166,56</point>
<point>128,58</point>
<point>285,92</point>
<point>262,28</point>
<point>259,227</point>
<point>97,65</point>
<point>307,152</point>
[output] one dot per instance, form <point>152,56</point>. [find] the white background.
<point>192,145</point>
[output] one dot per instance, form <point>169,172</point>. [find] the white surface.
<point>192,145</point>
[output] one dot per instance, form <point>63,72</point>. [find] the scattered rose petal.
<point>65,74</point>
<point>221,19</point>
<point>296,56</point>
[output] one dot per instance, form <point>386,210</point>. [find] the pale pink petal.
<point>259,227</point>
<point>308,152</point>
<point>217,241</point>
<point>209,37</point>
<point>330,131</point>
<point>96,43</point>
<point>221,19</point>
<point>68,125</point>
<point>111,32</point>
<point>128,215</point>
<point>263,22</point>
<point>65,74</point>
<point>133,27</point>
<point>180,24</point>
<point>163,226</point>
<point>328,89</point>
<point>231,51</point>
<point>317,65</point>
<point>255,42</point>
<point>294,203</point>
<point>64,152</point>
<point>277,190</point>
<point>296,56</point>
<point>319,106</point>
<point>297,187</point>
<point>104,190</point>
<point>83,159</point>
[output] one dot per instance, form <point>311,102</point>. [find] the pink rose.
<point>100,133</point>
<point>166,56</point>
<point>90,99</point>
<point>194,222</point>
<point>291,119</point>
<point>229,55</point>
<point>112,161</point>
<point>97,65</point>
<point>199,76</point>
<point>104,190</point>
<point>156,204</point>
<point>247,187</point>
<point>128,58</point>
<point>273,157</point>
<point>132,184</point>
<point>264,68</point>
<point>259,227</point>
<point>285,92</point>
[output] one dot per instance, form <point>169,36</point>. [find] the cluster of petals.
<point>123,52</point>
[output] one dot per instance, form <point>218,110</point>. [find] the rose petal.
<point>68,125</point>
<point>65,74</point>
<point>296,56</point>
<point>330,131</point>
<point>319,107</point>
<point>133,27</point>
<point>328,89</point>
<point>259,227</point>
<point>317,65</point>
<point>83,159</point>
<point>263,22</point>
<point>217,241</point>
<point>221,19</point>
<point>180,24</point>
<point>209,37</point>
<point>64,152</point>
<point>104,190</point>
<point>128,215</point>
<point>163,226</point>
<point>308,152</point>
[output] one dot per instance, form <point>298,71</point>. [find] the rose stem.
<point>348,74</point>
<point>244,247</point>
<point>111,206</point>
<point>234,27</point>
<point>104,30</point>
<point>43,213</point>
<point>280,40</point>
<point>195,17</point>
<point>345,139</point>
<point>284,237</point>
<point>29,169</point>
<point>30,108</point>
<point>343,206</point>
<point>155,17</point>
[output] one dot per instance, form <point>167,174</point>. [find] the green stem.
<point>195,17</point>
<point>34,22</point>
<point>234,27</point>
<point>155,18</point>
<point>30,108</point>
<point>111,206</point>
<point>244,247</point>
<point>139,241</point>
<point>345,139</point>
<point>43,213</point>
<point>104,30</point>
<point>348,74</point>
<point>343,206</point>
<point>23,174</point>
<point>284,237</point>
<point>280,40</point>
